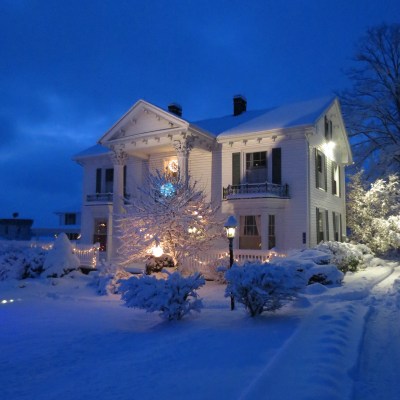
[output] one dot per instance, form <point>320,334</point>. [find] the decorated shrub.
<point>157,264</point>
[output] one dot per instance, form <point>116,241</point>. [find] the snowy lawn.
<point>65,342</point>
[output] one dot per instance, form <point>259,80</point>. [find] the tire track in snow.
<point>377,375</point>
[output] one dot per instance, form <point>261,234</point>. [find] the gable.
<point>337,147</point>
<point>143,120</point>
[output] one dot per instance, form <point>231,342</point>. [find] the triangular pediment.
<point>141,121</point>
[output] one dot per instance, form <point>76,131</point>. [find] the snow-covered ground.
<point>59,340</point>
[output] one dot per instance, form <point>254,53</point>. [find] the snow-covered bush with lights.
<point>346,256</point>
<point>264,287</point>
<point>20,262</point>
<point>107,278</point>
<point>374,212</point>
<point>173,297</point>
<point>157,264</point>
<point>171,212</point>
<point>60,260</point>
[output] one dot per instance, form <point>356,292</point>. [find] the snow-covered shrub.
<point>324,274</point>
<point>173,297</point>
<point>315,264</point>
<point>346,256</point>
<point>265,286</point>
<point>61,258</point>
<point>20,263</point>
<point>157,264</point>
<point>215,270</point>
<point>107,278</point>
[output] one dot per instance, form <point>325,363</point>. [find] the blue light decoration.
<point>167,190</point>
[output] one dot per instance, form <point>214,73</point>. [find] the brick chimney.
<point>175,108</point>
<point>239,104</point>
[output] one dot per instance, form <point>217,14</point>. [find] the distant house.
<point>16,229</point>
<point>69,222</point>
<point>280,171</point>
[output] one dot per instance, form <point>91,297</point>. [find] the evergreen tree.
<point>374,212</point>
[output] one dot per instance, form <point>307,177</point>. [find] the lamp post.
<point>230,227</point>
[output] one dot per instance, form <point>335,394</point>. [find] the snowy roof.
<point>92,151</point>
<point>289,115</point>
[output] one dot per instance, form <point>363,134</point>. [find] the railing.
<point>202,262</point>
<point>88,254</point>
<point>265,188</point>
<point>104,197</point>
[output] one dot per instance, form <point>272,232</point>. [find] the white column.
<point>119,159</point>
<point>183,148</point>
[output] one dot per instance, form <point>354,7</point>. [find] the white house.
<point>280,171</point>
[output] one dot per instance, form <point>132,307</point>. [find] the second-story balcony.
<point>100,197</point>
<point>248,190</point>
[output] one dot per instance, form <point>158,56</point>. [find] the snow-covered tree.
<point>173,297</point>
<point>374,212</point>
<point>170,212</point>
<point>372,106</point>
<point>61,258</point>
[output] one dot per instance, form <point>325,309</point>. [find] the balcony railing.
<point>101,197</point>
<point>265,189</point>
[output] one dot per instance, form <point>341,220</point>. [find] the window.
<point>320,170</point>
<point>100,233</point>
<point>335,179</point>
<point>109,180</point>
<point>70,219</point>
<point>271,232</point>
<point>249,237</point>
<point>250,226</point>
<point>337,226</point>
<point>256,167</point>
<point>98,180</point>
<point>322,225</point>
<point>104,180</point>
<point>328,129</point>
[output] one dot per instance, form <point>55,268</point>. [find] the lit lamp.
<point>230,228</point>
<point>157,250</point>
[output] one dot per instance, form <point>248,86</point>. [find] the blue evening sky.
<point>70,68</point>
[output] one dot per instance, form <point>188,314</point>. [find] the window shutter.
<point>235,168</point>
<point>324,166</point>
<point>124,184</point>
<point>339,182</point>
<point>317,225</point>
<point>316,168</point>
<point>98,180</point>
<point>333,182</point>
<point>277,165</point>
<point>327,225</point>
